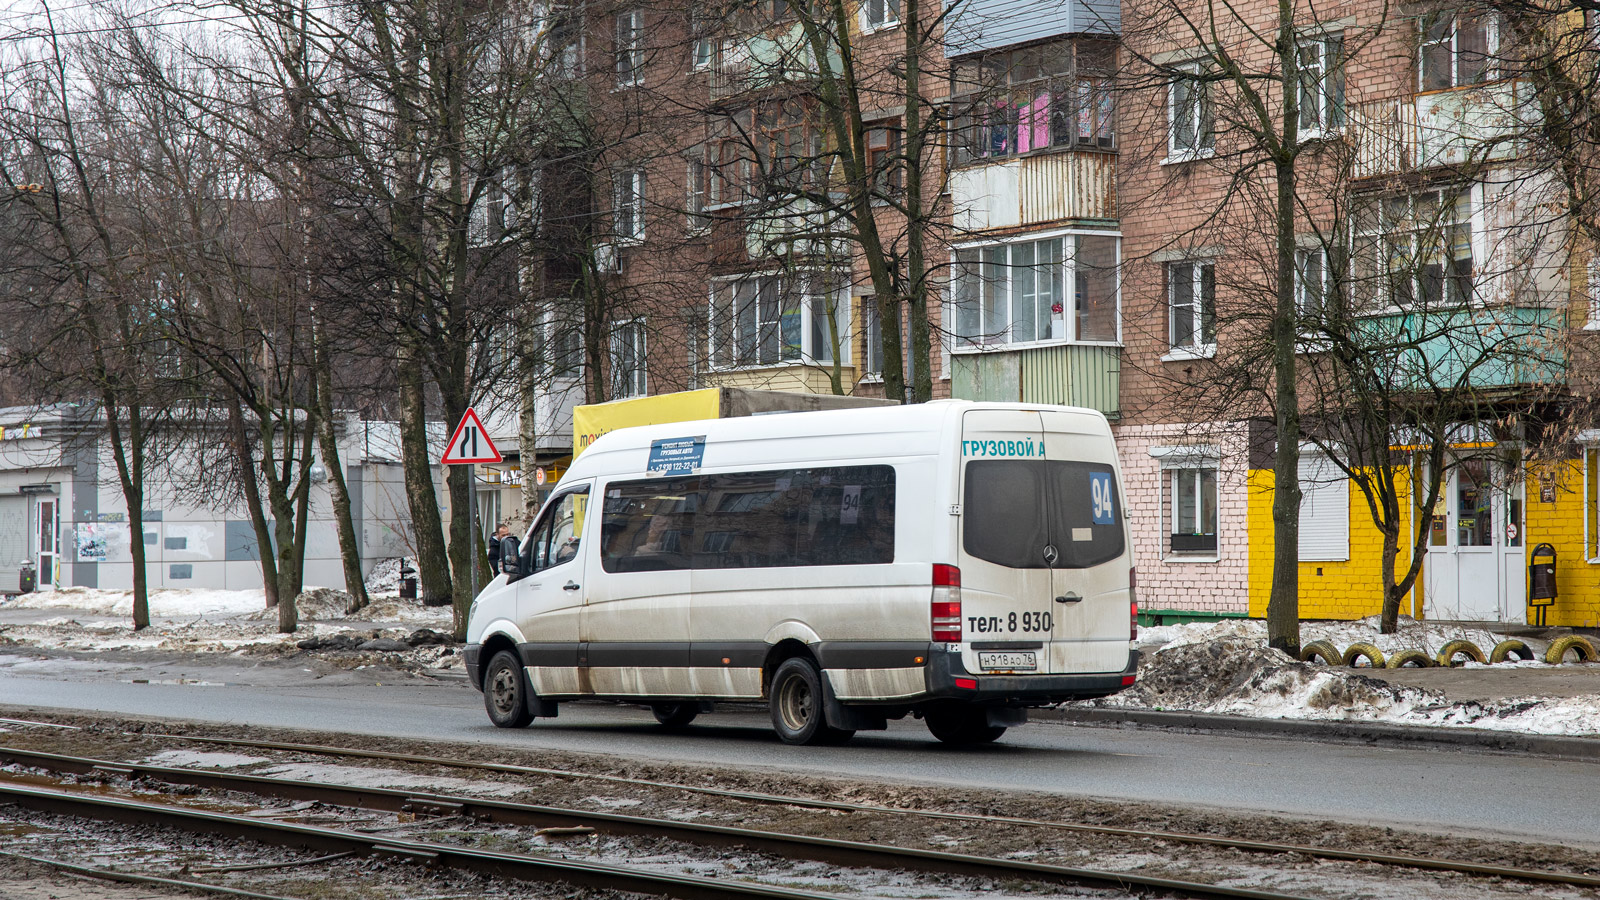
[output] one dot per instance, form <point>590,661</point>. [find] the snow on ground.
<point>1227,668</point>
<point>209,621</point>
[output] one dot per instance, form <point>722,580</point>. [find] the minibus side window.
<point>826,516</point>
<point>555,539</point>
<point>648,526</point>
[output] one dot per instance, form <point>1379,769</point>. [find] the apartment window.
<point>630,48</point>
<point>1192,306</point>
<point>877,14</point>
<point>1191,510</point>
<point>786,145</point>
<point>1592,273</point>
<point>702,47</point>
<point>1017,293</point>
<point>628,205</point>
<point>565,41</point>
<point>883,158</point>
<point>1311,282</point>
<point>1189,113</point>
<point>764,320</point>
<point>1045,97</point>
<point>1414,249</point>
<point>1322,85</point>
<point>628,360</point>
<point>698,182</point>
<point>565,349</point>
<point>1457,50</point>
<point>871,339</point>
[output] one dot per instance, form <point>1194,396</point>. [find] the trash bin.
<point>408,581</point>
<point>27,578</point>
<point>1541,582</point>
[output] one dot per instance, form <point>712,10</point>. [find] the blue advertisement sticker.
<point>1100,498</point>
<point>676,456</point>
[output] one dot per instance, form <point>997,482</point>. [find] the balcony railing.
<point>1065,374</point>
<point>1441,128</point>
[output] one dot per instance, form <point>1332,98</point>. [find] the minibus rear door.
<point>1005,576</point>
<point>1090,562</point>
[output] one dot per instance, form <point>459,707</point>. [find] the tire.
<point>796,703</point>
<point>1509,648</point>
<point>1363,650</point>
<point>1448,653</point>
<point>1403,658</point>
<point>1574,642</point>
<point>675,716</point>
<point>961,724</point>
<point>1321,650</point>
<point>506,691</point>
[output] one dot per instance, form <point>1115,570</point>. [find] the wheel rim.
<point>795,704</point>
<point>503,691</point>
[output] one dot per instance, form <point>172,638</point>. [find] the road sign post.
<point>469,446</point>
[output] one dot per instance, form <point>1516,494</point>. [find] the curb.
<point>1585,748</point>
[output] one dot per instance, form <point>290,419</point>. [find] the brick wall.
<point>1561,523</point>
<point>1219,586</point>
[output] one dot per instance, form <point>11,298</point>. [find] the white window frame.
<point>627,208</point>
<point>1068,261</point>
<point>1395,236</point>
<point>628,52</point>
<point>809,298</point>
<point>1590,449</point>
<point>1327,89</point>
<point>1304,303</point>
<point>1592,271</point>
<point>1491,40</point>
<point>1197,347</point>
<point>1199,107</point>
<point>1175,460</point>
<point>697,181</point>
<point>635,383</point>
<point>888,14</point>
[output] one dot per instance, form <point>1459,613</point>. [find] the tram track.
<point>589,874</point>
<point>787,846</point>
<point>1465,867</point>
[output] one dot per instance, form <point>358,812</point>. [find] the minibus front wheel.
<point>505,691</point>
<point>798,705</point>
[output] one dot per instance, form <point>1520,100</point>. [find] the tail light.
<point>1133,604</point>
<point>946,606</point>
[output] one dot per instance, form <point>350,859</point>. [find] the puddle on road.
<point>189,681</point>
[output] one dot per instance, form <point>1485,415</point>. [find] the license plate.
<point>1007,659</point>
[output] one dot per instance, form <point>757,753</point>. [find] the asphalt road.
<point>1431,789</point>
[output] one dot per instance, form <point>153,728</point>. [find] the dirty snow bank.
<point>1236,673</point>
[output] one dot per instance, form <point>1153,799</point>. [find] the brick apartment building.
<point>1098,238</point>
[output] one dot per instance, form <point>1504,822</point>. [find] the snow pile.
<point>1412,634</point>
<point>172,603</point>
<point>1238,675</point>
<point>385,578</point>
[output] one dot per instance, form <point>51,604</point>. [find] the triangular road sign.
<point>470,443</point>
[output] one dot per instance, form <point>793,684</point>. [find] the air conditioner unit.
<point>607,259</point>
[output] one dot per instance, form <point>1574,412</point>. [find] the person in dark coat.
<point>500,533</point>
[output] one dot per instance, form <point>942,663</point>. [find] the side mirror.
<point>510,561</point>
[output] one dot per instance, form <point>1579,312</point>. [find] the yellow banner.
<point>591,421</point>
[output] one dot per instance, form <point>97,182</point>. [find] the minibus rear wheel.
<point>961,723</point>
<point>796,701</point>
<point>505,691</point>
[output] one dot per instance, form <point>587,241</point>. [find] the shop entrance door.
<point>1475,552</point>
<point>48,543</point>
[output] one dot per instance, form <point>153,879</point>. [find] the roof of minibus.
<point>883,432</point>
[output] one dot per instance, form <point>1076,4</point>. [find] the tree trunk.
<point>246,463</point>
<point>283,533</point>
<point>328,443</point>
<point>462,506</point>
<point>916,274</point>
<point>1389,619</point>
<point>433,567</point>
<point>1283,605</point>
<point>129,456</point>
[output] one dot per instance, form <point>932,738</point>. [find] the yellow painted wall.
<point>1351,589</point>
<point>1561,523</point>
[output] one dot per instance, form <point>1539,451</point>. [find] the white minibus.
<point>955,561</point>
